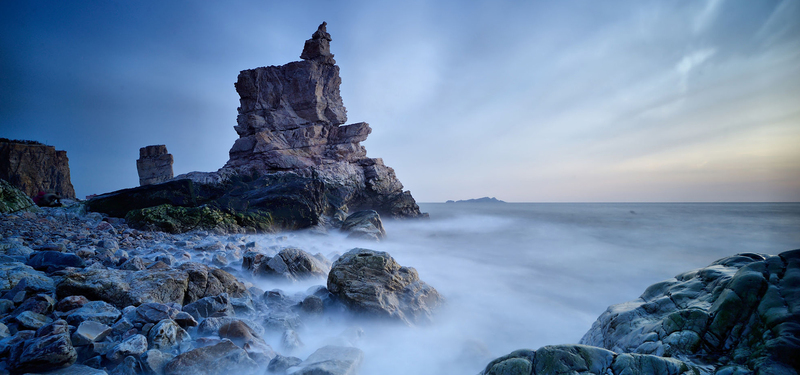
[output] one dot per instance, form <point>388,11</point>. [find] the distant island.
<point>478,200</point>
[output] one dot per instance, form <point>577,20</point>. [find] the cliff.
<point>33,167</point>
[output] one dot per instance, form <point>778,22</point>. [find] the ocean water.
<point>525,275</point>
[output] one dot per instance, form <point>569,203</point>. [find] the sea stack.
<point>292,120</point>
<point>154,165</point>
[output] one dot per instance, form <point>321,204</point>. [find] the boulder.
<point>95,311</point>
<point>364,224</point>
<point>330,360</point>
<point>166,335</point>
<point>49,349</point>
<point>117,286</point>
<point>154,361</point>
<point>152,312</point>
<point>13,199</point>
<point>289,264</point>
<point>188,283</point>
<point>224,357</point>
<point>33,167</point>
<point>371,282</point>
<point>134,345</point>
<point>209,281</point>
<point>740,312</point>
<point>51,261</point>
<point>76,370</point>
<point>210,306</point>
<point>31,320</point>
<point>14,273</point>
<point>90,331</point>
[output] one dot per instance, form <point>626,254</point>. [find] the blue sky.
<point>522,100</point>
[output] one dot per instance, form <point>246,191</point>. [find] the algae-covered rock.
<point>176,219</point>
<point>13,199</point>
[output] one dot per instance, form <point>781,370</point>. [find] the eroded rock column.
<point>154,165</point>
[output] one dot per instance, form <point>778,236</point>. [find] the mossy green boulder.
<point>176,219</point>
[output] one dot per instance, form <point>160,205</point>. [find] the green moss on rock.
<point>176,219</point>
<point>13,199</point>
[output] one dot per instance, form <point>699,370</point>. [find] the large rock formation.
<point>33,167</point>
<point>294,163</point>
<point>291,121</point>
<point>154,165</point>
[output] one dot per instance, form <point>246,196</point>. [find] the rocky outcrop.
<point>13,199</point>
<point>373,283</point>
<point>154,165</point>
<point>581,359</point>
<point>291,121</point>
<point>33,167</point>
<point>740,315</point>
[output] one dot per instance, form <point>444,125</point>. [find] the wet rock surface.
<point>740,315</point>
<point>372,282</point>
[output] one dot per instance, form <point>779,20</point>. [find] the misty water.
<point>521,275</point>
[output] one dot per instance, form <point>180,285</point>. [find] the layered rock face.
<point>154,165</point>
<point>33,167</point>
<point>291,121</point>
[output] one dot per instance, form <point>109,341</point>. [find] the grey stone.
<point>51,261</point>
<point>290,341</point>
<point>330,360</point>
<point>166,335</point>
<point>371,282</point>
<point>49,349</point>
<point>216,306</point>
<point>289,264</point>
<point>11,274</point>
<point>98,311</point>
<point>132,346</point>
<point>365,224</point>
<point>90,331</point>
<point>31,320</point>
<point>279,364</point>
<point>224,357</point>
<point>154,361</point>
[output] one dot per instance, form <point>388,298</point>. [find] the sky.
<point>526,101</point>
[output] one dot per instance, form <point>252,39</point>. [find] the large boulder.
<point>372,282</point>
<point>741,313</point>
<point>15,275</point>
<point>288,264</point>
<point>13,199</point>
<point>188,283</point>
<point>51,261</point>
<point>51,348</point>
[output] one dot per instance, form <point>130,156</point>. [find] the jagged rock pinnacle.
<point>318,48</point>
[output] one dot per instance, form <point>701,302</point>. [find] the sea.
<point>526,275</point>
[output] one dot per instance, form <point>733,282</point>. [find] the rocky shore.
<point>83,293</point>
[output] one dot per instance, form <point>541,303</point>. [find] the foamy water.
<point>528,275</point>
